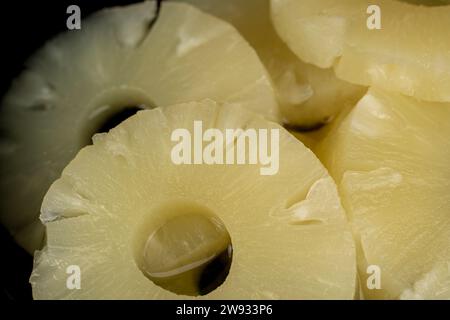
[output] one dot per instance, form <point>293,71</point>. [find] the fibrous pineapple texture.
<point>118,59</point>
<point>307,95</point>
<point>390,158</point>
<point>410,53</point>
<point>288,231</point>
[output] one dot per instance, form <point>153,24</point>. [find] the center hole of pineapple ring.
<point>116,118</point>
<point>185,249</point>
<point>110,108</point>
<point>107,118</point>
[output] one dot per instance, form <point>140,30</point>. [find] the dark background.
<point>24,27</point>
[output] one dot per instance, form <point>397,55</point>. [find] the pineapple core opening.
<point>185,249</point>
<point>111,107</point>
<point>116,118</point>
<point>106,118</point>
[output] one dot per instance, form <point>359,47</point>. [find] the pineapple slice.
<point>307,95</point>
<point>409,54</point>
<point>390,158</point>
<point>288,231</point>
<point>82,78</point>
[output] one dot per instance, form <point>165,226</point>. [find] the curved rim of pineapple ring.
<point>268,218</point>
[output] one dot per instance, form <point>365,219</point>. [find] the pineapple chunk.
<point>307,95</point>
<point>289,233</point>
<point>390,158</point>
<point>81,78</point>
<point>409,54</point>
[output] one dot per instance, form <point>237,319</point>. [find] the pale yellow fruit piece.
<point>390,158</point>
<point>289,233</point>
<point>307,95</point>
<point>118,59</point>
<point>409,54</point>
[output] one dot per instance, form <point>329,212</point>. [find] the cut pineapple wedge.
<point>308,95</point>
<point>117,60</point>
<point>288,231</point>
<point>390,158</point>
<point>409,54</point>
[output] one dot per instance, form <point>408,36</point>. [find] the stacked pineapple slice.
<point>117,60</point>
<point>389,155</point>
<point>308,96</point>
<point>390,158</point>
<point>288,231</point>
<point>409,54</point>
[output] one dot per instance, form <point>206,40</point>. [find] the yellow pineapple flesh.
<point>390,159</point>
<point>307,95</point>
<point>288,231</point>
<point>410,53</point>
<point>120,58</point>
